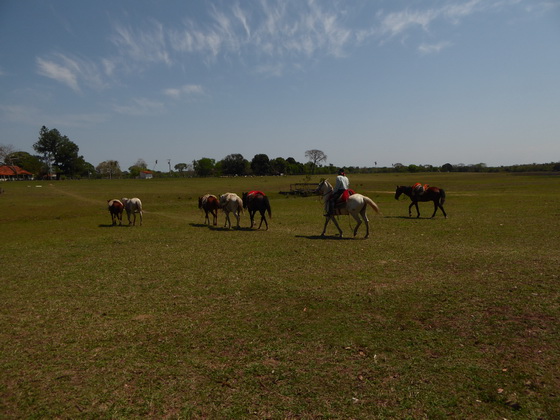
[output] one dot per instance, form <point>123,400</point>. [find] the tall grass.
<point>429,318</point>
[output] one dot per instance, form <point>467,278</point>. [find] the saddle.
<point>344,197</point>
<point>254,193</point>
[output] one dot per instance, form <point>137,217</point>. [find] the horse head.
<point>324,187</point>
<point>399,191</point>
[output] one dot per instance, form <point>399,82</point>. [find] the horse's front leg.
<point>327,218</point>
<point>337,226</point>
<point>410,209</point>
<point>417,209</point>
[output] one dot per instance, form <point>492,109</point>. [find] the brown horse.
<point>116,208</point>
<point>434,194</point>
<point>256,201</point>
<point>210,204</point>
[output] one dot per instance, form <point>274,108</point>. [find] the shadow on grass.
<point>326,238</point>
<point>110,226</point>
<point>407,217</point>
<point>218,228</point>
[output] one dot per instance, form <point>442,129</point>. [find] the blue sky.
<point>365,81</point>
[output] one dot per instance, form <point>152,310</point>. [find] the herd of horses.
<point>354,205</point>
<point>253,201</point>
<point>132,206</point>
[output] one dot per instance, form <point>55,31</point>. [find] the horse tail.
<point>240,205</point>
<point>441,196</point>
<point>267,206</point>
<point>372,204</point>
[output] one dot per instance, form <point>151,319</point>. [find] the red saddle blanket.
<point>345,195</point>
<point>255,192</point>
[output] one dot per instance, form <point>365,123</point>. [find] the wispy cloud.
<point>140,107</point>
<point>433,48</point>
<point>148,45</point>
<point>70,71</point>
<point>29,115</point>
<point>185,90</point>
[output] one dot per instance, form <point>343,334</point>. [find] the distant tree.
<point>294,167</point>
<point>25,161</point>
<point>315,157</point>
<point>139,166</point>
<point>448,167</point>
<point>6,150</point>
<point>109,168</point>
<point>234,164</point>
<point>59,151</point>
<point>260,165</point>
<point>204,166</point>
<point>278,166</point>
<point>181,168</point>
<point>141,163</point>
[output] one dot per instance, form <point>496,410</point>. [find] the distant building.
<point>14,173</point>
<point>146,175</point>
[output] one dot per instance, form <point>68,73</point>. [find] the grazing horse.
<point>355,206</point>
<point>231,203</point>
<point>257,201</point>
<point>133,206</point>
<point>116,210</point>
<point>210,204</point>
<point>435,194</point>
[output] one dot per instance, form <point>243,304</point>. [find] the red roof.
<point>13,171</point>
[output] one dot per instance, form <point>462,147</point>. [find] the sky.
<point>368,82</point>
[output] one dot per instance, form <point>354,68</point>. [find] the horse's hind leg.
<point>443,211</point>
<point>435,209</point>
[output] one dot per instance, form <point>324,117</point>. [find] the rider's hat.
<point>341,171</point>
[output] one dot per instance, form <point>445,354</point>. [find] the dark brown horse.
<point>257,201</point>
<point>210,204</point>
<point>116,208</point>
<point>434,194</point>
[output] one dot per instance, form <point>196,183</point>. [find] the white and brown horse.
<point>355,206</point>
<point>231,203</point>
<point>116,208</point>
<point>133,206</point>
<point>210,204</point>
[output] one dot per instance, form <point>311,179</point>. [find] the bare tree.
<point>315,157</point>
<point>5,151</point>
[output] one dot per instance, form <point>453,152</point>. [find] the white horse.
<point>231,203</point>
<point>133,206</point>
<point>355,206</point>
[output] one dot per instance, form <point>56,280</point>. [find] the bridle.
<point>319,188</point>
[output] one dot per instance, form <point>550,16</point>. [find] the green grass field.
<point>428,318</point>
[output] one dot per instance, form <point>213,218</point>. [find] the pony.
<point>133,206</point>
<point>210,204</point>
<point>116,208</point>
<point>355,206</point>
<point>434,194</point>
<point>257,201</point>
<point>231,203</point>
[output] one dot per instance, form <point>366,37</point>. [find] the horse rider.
<point>341,185</point>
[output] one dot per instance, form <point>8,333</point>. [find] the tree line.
<point>58,157</point>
